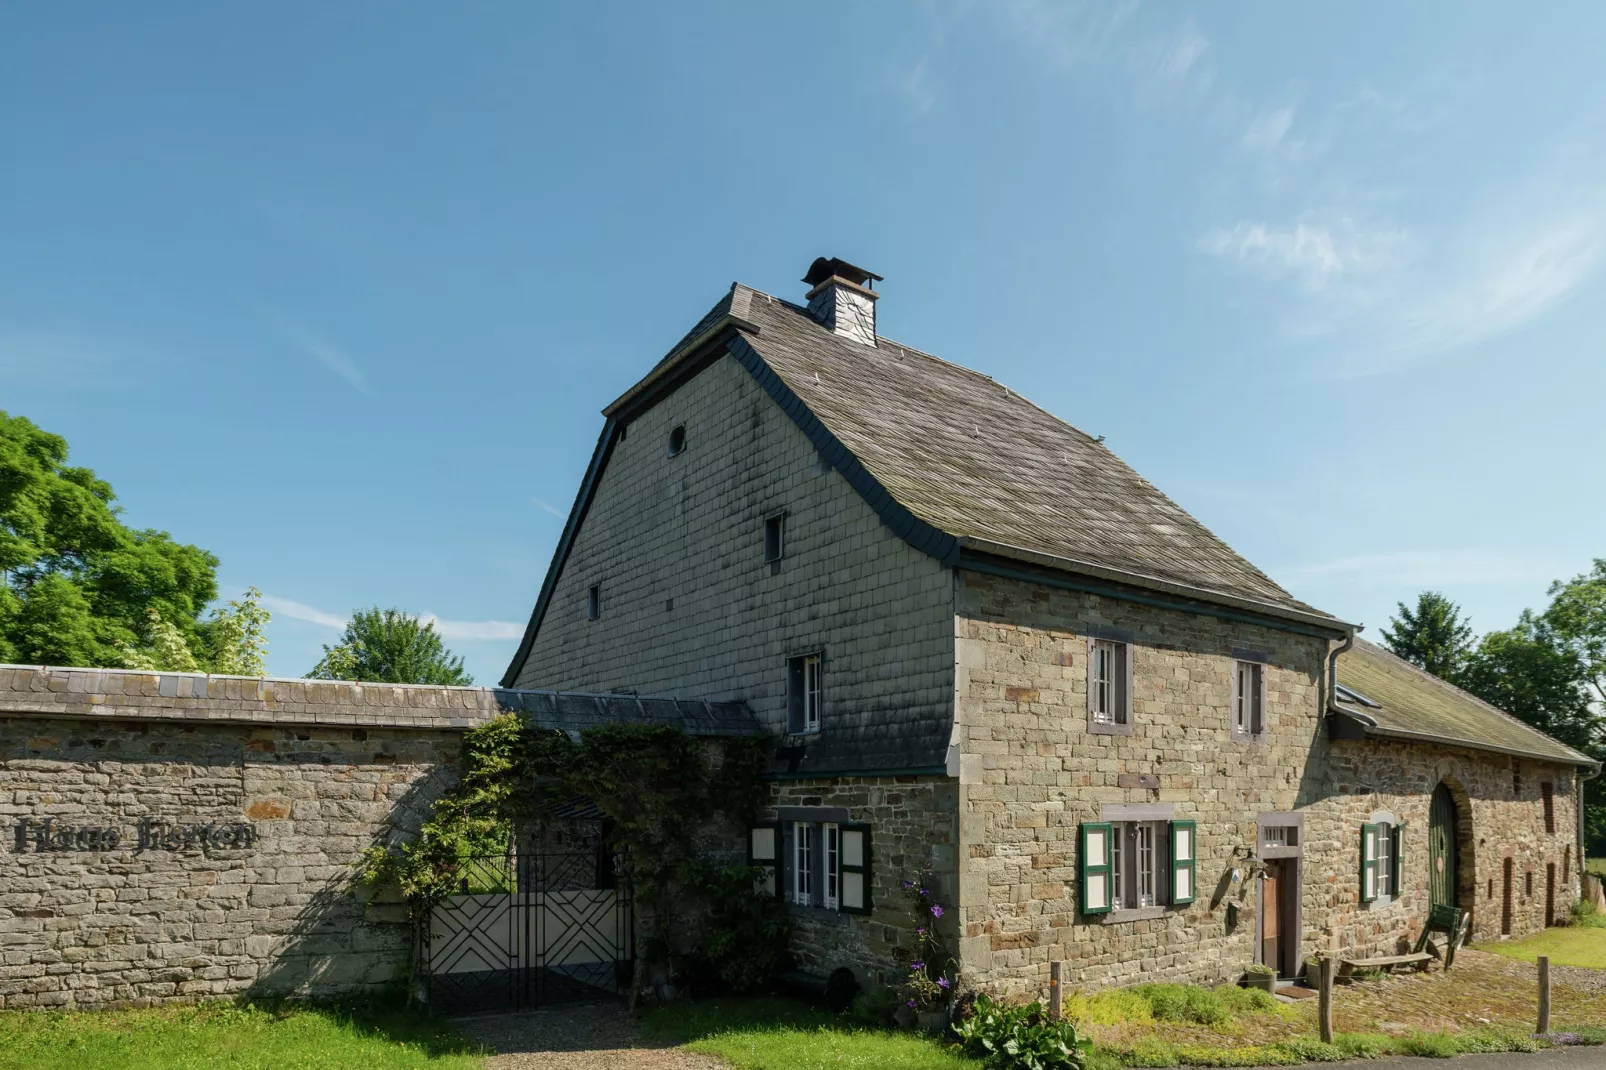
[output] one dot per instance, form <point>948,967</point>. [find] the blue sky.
<point>337,290</point>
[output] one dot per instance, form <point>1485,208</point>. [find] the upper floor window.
<point>805,689</point>
<point>594,601</point>
<point>1248,699</point>
<point>775,537</point>
<point>677,440</point>
<point>1109,685</point>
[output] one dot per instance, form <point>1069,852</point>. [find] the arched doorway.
<point>1443,848</point>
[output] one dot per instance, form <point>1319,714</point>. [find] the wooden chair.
<point>1446,920</point>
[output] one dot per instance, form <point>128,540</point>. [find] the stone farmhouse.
<point>990,655</point>
<point>994,654</point>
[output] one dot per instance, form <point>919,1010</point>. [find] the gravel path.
<point>581,1036</point>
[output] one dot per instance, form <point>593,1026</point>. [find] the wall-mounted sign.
<point>151,834</point>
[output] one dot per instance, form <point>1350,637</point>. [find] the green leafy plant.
<point>746,932</point>
<point>392,647</point>
<point>1019,1037</point>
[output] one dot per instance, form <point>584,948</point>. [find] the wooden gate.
<point>1442,834</point>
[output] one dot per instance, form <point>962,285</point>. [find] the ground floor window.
<point>1130,865</point>
<point>823,864</point>
<point>1381,857</point>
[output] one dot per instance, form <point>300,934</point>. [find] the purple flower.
<point>942,982</point>
<point>936,911</point>
<point>911,1003</point>
<point>916,966</point>
<point>920,932</point>
<point>924,892</point>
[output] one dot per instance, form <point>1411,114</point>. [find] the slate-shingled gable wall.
<point>689,605</point>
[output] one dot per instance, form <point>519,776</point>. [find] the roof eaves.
<point>1321,621</point>
<point>1384,732</point>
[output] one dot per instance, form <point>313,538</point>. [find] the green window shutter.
<point>1184,853</point>
<point>1368,863</point>
<point>763,852</point>
<point>854,867</point>
<point>1396,866</point>
<point>1096,867</point>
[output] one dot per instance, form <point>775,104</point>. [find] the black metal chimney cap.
<point>826,267</point>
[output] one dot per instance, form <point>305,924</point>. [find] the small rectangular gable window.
<point>1096,866</point>
<point>1109,685</point>
<point>1368,863</point>
<point>805,691</point>
<point>594,601</point>
<point>1183,856</point>
<point>775,537</point>
<point>1548,791</point>
<point>1248,699</point>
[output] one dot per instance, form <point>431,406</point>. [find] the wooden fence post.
<point>1055,1007</point>
<point>1324,998</point>
<point>1544,993</point>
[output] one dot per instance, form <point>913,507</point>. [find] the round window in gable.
<point>677,440</point>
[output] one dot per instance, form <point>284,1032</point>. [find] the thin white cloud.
<point>1418,569</point>
<point>1312,252</point>
<point>1268,129</point>
<point>548,507</point>
<point>300,611</point>
<point>448,629</point>
<point>331,356</point>
<point>475,629</point>
<point>51,357</point>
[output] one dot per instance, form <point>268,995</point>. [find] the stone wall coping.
<point>129,694</point>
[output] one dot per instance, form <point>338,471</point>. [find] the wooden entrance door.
<point>1442,832</point>
<point>1278,939</point>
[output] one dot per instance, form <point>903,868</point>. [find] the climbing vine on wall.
<point>659,787</point>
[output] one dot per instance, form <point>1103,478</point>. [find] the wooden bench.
<point>1418,959</point>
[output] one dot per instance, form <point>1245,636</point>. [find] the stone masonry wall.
<point>87,927</point>
<point>689,605</point>
<point>1358,778</point>
<point>914,831</point>
<point>1032,773</point>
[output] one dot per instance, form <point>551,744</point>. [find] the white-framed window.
<point>1385,861</point>
<point>1248,699</point>
<point>822,864</point>
<point>1278,836</point>
<point>805,693</point>
<point>1382,859</point>
<point>1137,864</point>
<point>831,868</point>
<point>803,834</point>
<point>1108,701</point>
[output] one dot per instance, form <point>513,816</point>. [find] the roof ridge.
<point>1444,684</point>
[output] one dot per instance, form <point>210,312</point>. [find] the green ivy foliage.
<point>659,787</point>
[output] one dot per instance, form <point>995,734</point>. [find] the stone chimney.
<point>841,298</point>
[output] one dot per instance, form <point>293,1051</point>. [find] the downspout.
<point>1332,668</point>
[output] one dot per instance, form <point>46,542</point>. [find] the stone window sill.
<point>1382,902</point>
<point>1101,728</point>
<point>1117,917</point>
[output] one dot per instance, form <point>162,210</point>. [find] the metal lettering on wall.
<point>150,834</point>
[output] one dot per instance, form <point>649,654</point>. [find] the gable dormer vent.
<point>841,296</point>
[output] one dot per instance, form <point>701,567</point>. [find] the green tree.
<point>1577,618</point>
<point>389,646</point>
<point>235,633</point>
<point>77,586</point>
<point>1532,675</point>
<point>1433,635</point>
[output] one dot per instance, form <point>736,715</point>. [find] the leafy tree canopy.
<point>79,587</point>
<point>1432,635</point>
<point>1577,619</point>
<point>392,647</point>
<point>1530,673</point>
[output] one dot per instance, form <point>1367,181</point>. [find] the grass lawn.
<point>1597,866</point>
<point>227,1035</point>
<point>772,1034</point>
<point>1575,945</point>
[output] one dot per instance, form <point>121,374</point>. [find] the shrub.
<point>1019,1038</point>
<point>1585,913</point>
<point>879,1006</point>
<point>1185,1003</point>
<point>1246,1000</point>
<point>1428,1045</point>
<point>746,933</point>
<point>1109,1007</point>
